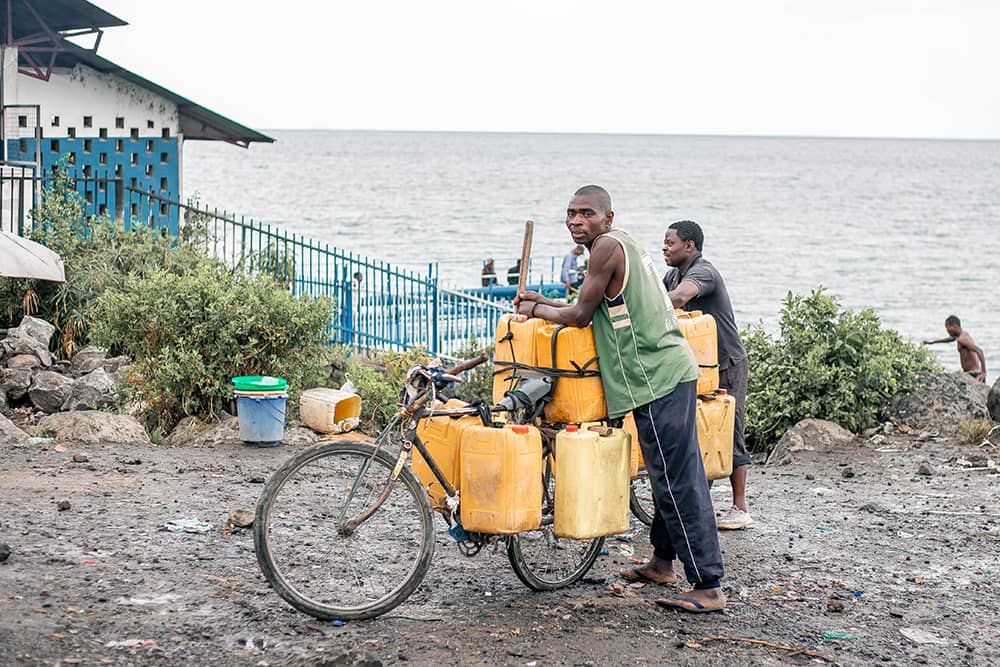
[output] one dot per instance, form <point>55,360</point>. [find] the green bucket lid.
<point>260,383</point>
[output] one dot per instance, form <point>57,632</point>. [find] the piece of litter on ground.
<point>824,491</point>
<point>130,643</point>
<point>187,525</point>
<point>922,636</point>
<point>626,549</point>
<point>837,635</point>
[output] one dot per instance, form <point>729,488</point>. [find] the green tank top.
<point>642,353</point>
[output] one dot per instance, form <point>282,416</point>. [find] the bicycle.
<point>344,530</point>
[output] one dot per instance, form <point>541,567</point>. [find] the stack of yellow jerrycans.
<point>716,416</point>
<point>497,470</point>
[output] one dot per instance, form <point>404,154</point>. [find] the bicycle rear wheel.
<point>303,551</point>
<point>544,562</point>
<point>640,499</point>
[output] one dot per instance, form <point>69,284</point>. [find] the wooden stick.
<point>522,279</point>
<point>761,642</point>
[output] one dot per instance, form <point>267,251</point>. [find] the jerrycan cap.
<point>572,428</point>
<point>519,428</point>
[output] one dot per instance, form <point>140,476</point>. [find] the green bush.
<point>828,363</point>
<point>190,333</point>
<point>378,380</point>
<point>97,254</point>
<point>477,383</point>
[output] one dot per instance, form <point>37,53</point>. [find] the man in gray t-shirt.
<point>694,284</point>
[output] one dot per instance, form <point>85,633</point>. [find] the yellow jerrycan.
<point>515,345</point>
<point>703,338</point>
<point>501,479</point>
<point>716,422</point>
<point>592,482</point>
<point>442,435</point>
<point>575,399</point>
<point>635,455</point>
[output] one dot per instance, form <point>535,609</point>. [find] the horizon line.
<point>632,134</point>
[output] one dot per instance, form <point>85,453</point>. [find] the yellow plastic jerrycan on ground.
<point>635,454</point>
<point>703,338</point>
<point>501,479</point>
<point>575,399</point>
<point>442,436</point>
<point>716,422</point>
<point>592,482</point>
<point>329,410</point>
<point>515,344</point>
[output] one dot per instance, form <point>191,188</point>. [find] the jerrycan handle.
<point>602,431</point>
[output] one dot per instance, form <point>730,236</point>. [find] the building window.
<point>134,134</point>
<point>89,197</point>
<point>163,184</point>
<point>103,133</point>
<point>150,125</point>
<point>163,209</point>
<point>120,122</point>
<point>149,145</point>
<point>135,210</point>
<point>133,182</point>
<point>102,210</point>
<point>87,171</point>
<point>165,133</point>
<point>54,144</point>
<point>135,159</point>
<point>22,121</point>
<point>22,144</point>
<point>119,146</point>
<point>118,171</point>
<point>55,121</point>
<point>88,121</point>
<point>102,158</point>
<point>71,132</point>
<point>164,158</point>
<point>72,158</point>
<point>149,170</point>
<point>88,145</point>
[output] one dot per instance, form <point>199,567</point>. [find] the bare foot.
<point>656,570</point>
<point>696,601</point>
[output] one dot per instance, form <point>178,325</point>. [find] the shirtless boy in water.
<point>970,354</point>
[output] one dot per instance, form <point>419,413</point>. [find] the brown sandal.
<point>636,574</point>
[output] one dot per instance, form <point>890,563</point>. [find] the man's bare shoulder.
<point>965,340</point>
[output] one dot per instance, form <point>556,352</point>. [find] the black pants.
<point>684,520</point>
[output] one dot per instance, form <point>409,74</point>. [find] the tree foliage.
<point>827,362</point>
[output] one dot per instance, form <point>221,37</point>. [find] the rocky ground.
<point>884,549</point>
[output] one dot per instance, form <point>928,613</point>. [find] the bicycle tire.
<point>538,573</point>
<point>640,499</point>
<point>315,568</point>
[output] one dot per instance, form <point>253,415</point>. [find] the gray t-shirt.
<point>712,299</point>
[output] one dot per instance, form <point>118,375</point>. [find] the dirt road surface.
<point>859,556</point>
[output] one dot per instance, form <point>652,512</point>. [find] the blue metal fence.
<point>377,305</point>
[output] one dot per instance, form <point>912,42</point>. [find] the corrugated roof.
<point>197,122</point>
<point>58,15</point>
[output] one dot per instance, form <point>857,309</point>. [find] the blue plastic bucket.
<point>262,419</point>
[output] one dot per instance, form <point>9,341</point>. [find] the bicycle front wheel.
<point>544,562</point>
<point>325,570</point>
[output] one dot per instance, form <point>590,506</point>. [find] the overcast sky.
<point>899,68</point>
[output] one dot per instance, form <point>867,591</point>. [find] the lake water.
<point>910,228</point>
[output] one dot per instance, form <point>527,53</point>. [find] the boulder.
<point>811,435</point>
<point>993,401</point>
<point>11,434</point>
<point>88,359</point>
<point>49,390</point>
<point>941,401</point>
<point>14,382</point>
<point>116,365</point>
<point>93,390</point>
<point>23,361</point>
<point>92,427</point>
<point>31,337</point>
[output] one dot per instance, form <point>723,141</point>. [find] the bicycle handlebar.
<point>468,364</point>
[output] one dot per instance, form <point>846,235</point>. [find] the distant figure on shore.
<point>571,276</point>
<point>489,273</point>
<point>970,354</point>
<point>514,273</point>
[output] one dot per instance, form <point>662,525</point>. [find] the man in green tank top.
<point>648,369</point>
